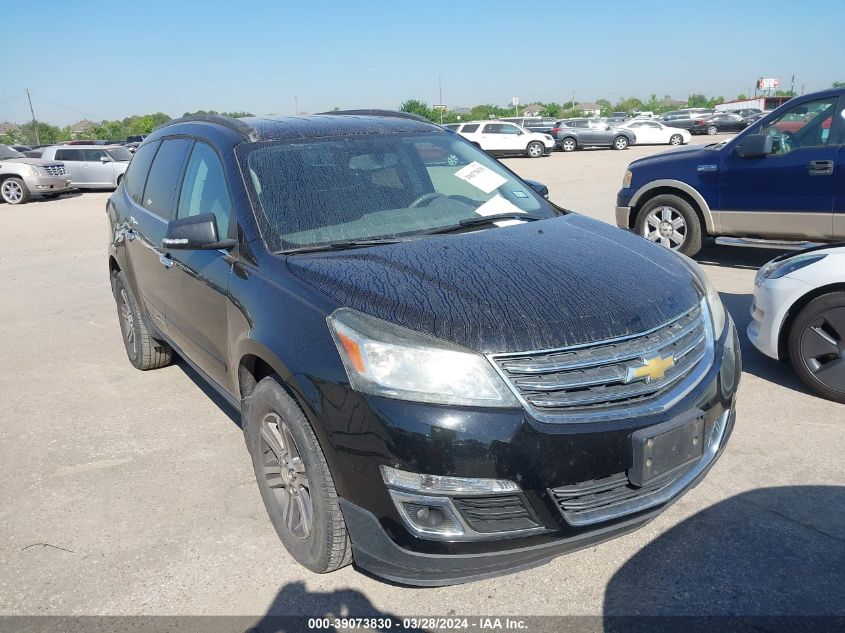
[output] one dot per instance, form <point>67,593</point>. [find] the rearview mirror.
<point>754,146</point>
<point>197,232</point>
<point>539,187</point>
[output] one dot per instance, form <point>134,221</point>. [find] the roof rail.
<point>236,125</point>
<point>396,114</point>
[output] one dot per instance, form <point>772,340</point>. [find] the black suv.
<point>440,374</point>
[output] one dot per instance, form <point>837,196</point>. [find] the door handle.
<point>130,234</point>
<point>821,167</point>
<point>166,261</point>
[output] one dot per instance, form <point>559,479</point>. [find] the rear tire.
<point>620,143</point>
<point>672,222</point>
<point>535,149</point>
<point>817,345</point>
<point>712,129</point>
<point>13,190</point>
<point>143,350</point>
<point>568,145</point>
<point>294,479</point>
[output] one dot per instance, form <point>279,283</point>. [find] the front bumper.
<point>47,184</point>
<point>769,309</point>
<point>507,444</point>
<point>623,217</point>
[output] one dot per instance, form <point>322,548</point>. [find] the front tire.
<point>672,222</point>
<point>143,350</point>
<point>535,150</point>
<point>817,345</point>
<point>620,143</point>
<point>676,139</point>
<point>294,479</point>
<point>568,145</point>
<point>711,130</point>
<point>14,191</point>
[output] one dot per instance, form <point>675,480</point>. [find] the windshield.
<point>324,191</point>
<point>7,152</point>
<point>119,153</point>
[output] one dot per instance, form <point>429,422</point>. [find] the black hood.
<point>539,285</point>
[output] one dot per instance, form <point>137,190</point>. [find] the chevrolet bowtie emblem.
<point>653,368</point>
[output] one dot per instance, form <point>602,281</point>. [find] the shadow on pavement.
<point>768,552</point>
<point>294,599</point>
<point>233,414</point>
<point>755,362</point>
<point>712,254</point>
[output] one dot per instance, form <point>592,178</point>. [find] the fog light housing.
<point>727,373</point>
<point>429,517</point>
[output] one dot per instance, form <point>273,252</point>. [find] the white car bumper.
<point>772,301</point>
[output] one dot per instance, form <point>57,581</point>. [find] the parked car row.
<point>59,169</point>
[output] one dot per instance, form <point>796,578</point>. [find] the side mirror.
<point>197,232</point>
<point>105,159</point>
<point>754,146</point>
<point>539,187</point>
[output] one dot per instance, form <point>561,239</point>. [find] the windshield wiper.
<point>330,246</point>
<point>481,221</point>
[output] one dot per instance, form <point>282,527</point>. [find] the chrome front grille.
<point>612,377</point>
<point>54,170</point>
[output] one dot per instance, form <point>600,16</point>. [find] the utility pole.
<point>34,122</point>
<point>440,86</point>
<point>296,105</point>
<point>792,87</point>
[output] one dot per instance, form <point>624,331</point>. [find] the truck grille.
<point>54,170</point>
<point>612,376</point>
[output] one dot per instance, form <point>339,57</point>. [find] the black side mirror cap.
<point>539,187</point>
<point>754,146</point>
<point>196,232</point>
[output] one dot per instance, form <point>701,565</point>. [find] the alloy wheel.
<point>675,140</point>
<point>12,192</point>
<point>711,130</point>
<point>568,145</point>
<point>823,349</point>
<point>285,474</point>
<point>452,160</point>
<point>535,150</point>
<point>127,321</point>
<point>667,226</point>
<point>620,143</point>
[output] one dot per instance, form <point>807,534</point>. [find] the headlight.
<point>35,170</point>
<point>782,268</point>
<point>714,302</point>
<point>387,360</point>
<point>626,180</point>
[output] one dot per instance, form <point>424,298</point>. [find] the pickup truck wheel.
<point>13,191</point>
<point>143,350</point>
<point>568,145</point>
<point>672,222</point>
<point>294,479</point>
<point>712,129</point>
<point>817,345</point>
<point>535,150</point>
<point>620,142</point>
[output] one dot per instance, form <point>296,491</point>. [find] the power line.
<point>12,98</point>
<point>67,107</point>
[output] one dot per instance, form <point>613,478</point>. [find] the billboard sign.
<point>767,83</point>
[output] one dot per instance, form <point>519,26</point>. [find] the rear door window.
<point>164,176</point>
<point>136,174</point>
<point>470,128</point>
<point>93,155</point>
<point>72,155</point>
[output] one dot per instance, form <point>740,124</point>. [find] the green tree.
<point>741,97</point>
<point>551,110</point>
<point>420,108</point>
<point>46,133</point>
<point>838,84</point>
<point>697,101</point>
<point>605,105</point>
<point>628,105</point>
<point>488,111</point>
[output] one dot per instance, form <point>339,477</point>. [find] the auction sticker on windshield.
<point>481,177</point>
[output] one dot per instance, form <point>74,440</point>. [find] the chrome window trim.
<point>659,405</point>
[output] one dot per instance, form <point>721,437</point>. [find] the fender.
<point>710,221</point>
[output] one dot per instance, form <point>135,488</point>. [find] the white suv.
<point>501,138</point>
<point>92,166</point>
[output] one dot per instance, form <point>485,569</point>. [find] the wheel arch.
<point>795,309</point>
<point>676,188</point>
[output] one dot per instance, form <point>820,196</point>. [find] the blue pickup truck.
<point>780,180</point>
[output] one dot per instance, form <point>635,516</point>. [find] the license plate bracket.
<point>658,450</point>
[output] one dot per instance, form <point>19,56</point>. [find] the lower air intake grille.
<point>501,513</point>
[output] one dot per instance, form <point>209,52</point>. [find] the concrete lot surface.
<point>127,492</point>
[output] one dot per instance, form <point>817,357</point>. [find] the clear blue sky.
<point>112,59</point>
